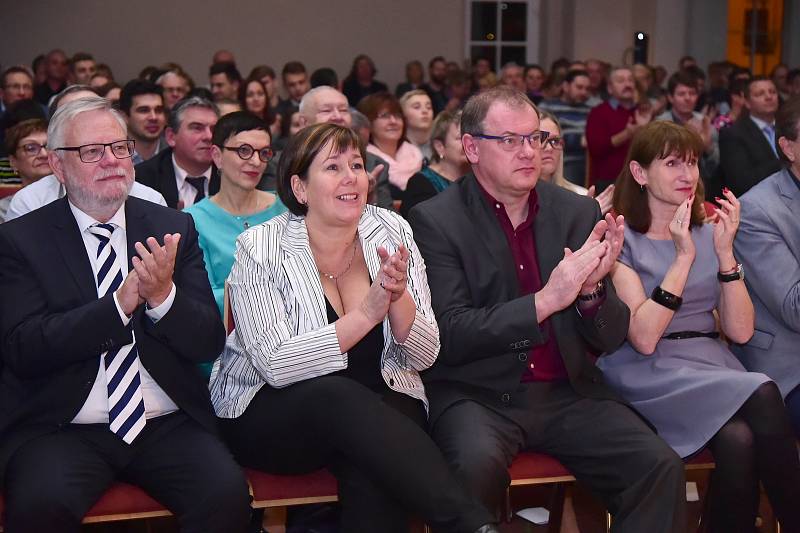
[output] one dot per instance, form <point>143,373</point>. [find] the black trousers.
<point>53,480</point>
<point>386,465</point>
<point>603,443</point>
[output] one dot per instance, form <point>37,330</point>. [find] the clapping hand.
<point>394,271</point>
<point>605,198</point>
<point>154,268</point>
<point>726,223</point>
<point>612,233</point>
<point>679,229</point>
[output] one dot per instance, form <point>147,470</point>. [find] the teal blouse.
<point>218,231</point>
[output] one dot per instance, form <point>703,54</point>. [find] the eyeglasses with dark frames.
<point>514,141</point>
<point>32,149</point>
<point>245,151</point>
<point>92,153</point>
<point>555,142</point>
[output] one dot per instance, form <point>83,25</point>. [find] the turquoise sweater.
<point>218,231</point>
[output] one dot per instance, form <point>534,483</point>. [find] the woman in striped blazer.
<point>333,324</point>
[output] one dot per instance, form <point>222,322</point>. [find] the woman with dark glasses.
<point>241,150</point>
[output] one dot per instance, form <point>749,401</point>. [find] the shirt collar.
<point>761,124</point>
<point>85,221</point>
<point>616,104</point>
<point>499,208</point>
<point>180,174</point>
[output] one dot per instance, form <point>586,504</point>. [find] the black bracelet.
<point>667,299</point>
<point>596,294</point>
<point>735,275</point>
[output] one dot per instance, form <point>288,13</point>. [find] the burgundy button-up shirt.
<point>544,361</point>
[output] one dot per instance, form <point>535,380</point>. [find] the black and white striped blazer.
<point>282,334</point>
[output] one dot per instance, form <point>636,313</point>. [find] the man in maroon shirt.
<point>518,276</point>
<point>610,128</point>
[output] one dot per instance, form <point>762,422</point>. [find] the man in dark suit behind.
<point>518,311</point>
<point>106,312</point>
<point>747,147</point>
<point>183,174</point>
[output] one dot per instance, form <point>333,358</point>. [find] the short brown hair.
<point>786,122</point>
<point>658,140</point>
<point>19,131</point>
<point>373,104</point>
<point>301,151</point>
<point>477,107</point>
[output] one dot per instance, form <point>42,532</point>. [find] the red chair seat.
<point>271,490</point>
<point>124,501</point>
<point>531,468</point>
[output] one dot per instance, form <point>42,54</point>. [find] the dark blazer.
<point>746,157</point>
<point>486,328</point>
<point>159,174</point>
<point>53,327</point>
<point>418,189</point>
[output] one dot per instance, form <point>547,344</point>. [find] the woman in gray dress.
<point>673,367</point>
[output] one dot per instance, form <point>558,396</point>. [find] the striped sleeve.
<point>421,347</point>
<point>267,329</point>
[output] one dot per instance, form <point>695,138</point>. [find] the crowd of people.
<point>423,283</point>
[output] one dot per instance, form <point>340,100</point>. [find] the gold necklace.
<point>335,277</point>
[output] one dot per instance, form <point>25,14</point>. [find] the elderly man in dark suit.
<point>518,274</point>
<point>748,152</point>
<point>183,174</point>
<point>106,312</point>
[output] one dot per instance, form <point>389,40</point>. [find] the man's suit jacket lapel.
<point>757,137</point>
<point>137,229</point>
<point>546,227</point>
<point>487,229</point>
<point>166,174</point>
<point>69,242</point>
<point>789,193</point>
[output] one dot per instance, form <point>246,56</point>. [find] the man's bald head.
<point>325,105</point>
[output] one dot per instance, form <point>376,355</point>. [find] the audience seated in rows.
<point>49,188</point>
<point>132,311</point>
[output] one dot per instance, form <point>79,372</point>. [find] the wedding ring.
<point>680,223</point>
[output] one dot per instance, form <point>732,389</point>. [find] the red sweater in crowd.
<point>605,121</point>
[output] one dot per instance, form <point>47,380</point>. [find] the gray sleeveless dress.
<point>687,388</point>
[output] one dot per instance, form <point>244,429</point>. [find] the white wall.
<point>129,35</point>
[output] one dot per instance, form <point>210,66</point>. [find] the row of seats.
<point>127,502</point>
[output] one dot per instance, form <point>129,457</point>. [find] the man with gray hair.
<point>183,173</point>
<point>106,312</point>
<point>49,189</point>
<point>325,104</point>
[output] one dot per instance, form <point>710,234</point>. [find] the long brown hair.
<point>657,140</point>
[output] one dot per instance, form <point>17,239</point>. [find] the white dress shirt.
<point>48,189</point>
<point>156,401</point>
<point>187,192</point>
